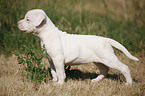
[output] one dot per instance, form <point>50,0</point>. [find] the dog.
<point>70,49</point>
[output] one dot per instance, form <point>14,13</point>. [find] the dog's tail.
<point>122,48</point>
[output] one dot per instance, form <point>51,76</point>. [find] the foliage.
<point>73,17</point>
<point>32,62</point>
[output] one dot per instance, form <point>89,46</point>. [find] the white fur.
<point>70,49</point>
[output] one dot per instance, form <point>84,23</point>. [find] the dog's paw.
<point>94,80</point>
<point>54,79</point>
<point>100,77</point>
<point>128,84</point>
<point>60,82</point>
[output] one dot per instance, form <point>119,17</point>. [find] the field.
<point>120,20</point>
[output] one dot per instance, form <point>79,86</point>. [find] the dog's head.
<point>34,19</point>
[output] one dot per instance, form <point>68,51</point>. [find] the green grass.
<point>69,16</point>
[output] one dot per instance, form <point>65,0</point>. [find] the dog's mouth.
<point>29,32</point>
<point>24,30</point>
<point>21,28</point>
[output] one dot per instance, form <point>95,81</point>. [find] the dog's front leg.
<point>53,72</point>
<point>59,66</point>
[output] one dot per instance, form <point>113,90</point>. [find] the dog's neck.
<point>47,30</point>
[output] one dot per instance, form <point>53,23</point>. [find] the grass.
<point>121,20</point>
<point>73,16</point>
<point>78,81</point>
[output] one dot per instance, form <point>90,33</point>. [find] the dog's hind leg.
<point>111,60</point>
<point>103,72</point>
<point>124,69</point>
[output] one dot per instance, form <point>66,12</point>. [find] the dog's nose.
<point>18,22</point>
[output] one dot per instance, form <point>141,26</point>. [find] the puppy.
<point>70,49</point>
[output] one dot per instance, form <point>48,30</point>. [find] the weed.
<point>32,62</point>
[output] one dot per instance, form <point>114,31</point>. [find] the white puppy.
<point>70,49</point>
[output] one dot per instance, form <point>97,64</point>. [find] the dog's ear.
<point>40,20</point>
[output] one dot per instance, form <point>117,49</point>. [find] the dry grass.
<point>122,9</point>
<point>78,81</point>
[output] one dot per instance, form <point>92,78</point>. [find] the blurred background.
<point>122,20</point>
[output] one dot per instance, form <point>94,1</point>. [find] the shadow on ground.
<point>76,74</point>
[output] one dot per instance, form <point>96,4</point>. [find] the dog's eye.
<point>28,20</point>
